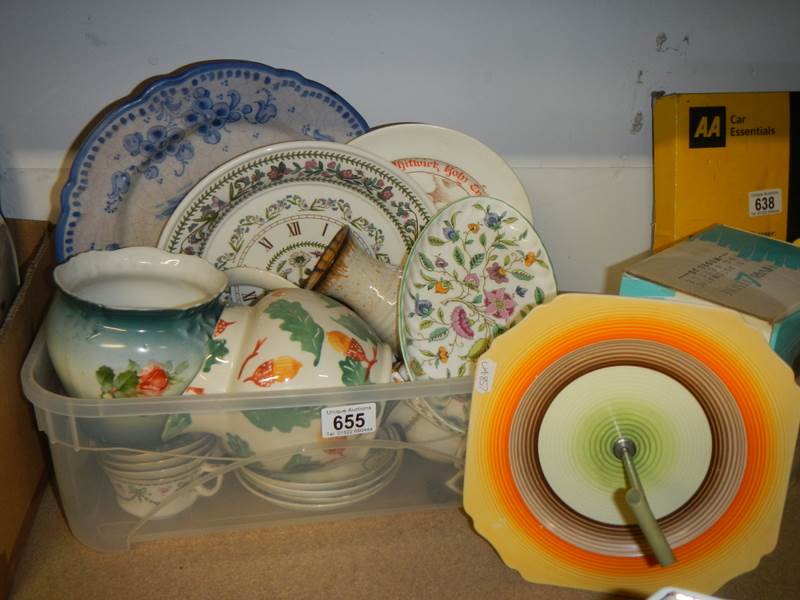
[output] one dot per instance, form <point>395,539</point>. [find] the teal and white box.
<point>753,274</point>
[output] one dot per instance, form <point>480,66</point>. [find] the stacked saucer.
<point>143,480</point>
<point>342,485</point>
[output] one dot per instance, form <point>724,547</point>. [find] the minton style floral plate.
<point>447,164</point>
<point>477,268</point>
<point>150,148</point>
<point>277,208</point>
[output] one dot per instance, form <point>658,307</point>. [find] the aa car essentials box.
<point>755,275</point>
<point>726,158</point>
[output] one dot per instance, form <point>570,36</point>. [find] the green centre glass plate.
<point>663,419</point>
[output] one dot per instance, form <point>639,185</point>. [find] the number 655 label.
<point>765,202</point>
<point>340,421</point>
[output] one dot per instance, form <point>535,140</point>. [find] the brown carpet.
<point>432,554</point>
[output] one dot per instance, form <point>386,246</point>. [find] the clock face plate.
<point>276,208</point>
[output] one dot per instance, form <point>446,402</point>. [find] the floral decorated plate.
<point>447,164</point>
<point>476,270</point>
<point>277,208</point>
<point>149,149</point>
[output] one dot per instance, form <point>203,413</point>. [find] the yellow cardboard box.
<point>726,158</point>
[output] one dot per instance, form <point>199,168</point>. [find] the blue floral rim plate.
<point>149,149</point>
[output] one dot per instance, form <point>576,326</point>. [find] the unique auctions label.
<point>765,202</point>
<point>342,421</point>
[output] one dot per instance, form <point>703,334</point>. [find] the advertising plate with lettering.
<point>277,207</point>
<point>447,164</point>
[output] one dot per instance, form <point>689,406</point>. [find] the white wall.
<point>560,89</point>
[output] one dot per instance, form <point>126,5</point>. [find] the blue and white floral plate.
<point>147,151</point>
<point>476,269</point>
<point>277,207</point>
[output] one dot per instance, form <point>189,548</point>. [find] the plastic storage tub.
<point>423,477</point>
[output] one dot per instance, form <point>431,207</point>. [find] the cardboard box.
<point>755,275</point>
<point>23,471</point>
<point>726,158</point>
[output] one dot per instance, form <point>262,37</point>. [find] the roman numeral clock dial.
<point>289,247</point>
<point>276,208</point>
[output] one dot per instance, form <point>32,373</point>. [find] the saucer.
<point>335,476</point>
<point>320,503</point>
<point>377,471</point>
<point>346,489</point>
<point>187,444</point>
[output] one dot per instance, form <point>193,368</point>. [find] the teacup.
<point>139,497</point>
<point>432,438</point>
<point>291,339</point>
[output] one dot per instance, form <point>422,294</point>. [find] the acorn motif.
<point>277,370</point>
<point>349,346</point>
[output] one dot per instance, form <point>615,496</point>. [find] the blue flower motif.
<point>133,143</point>
<point>493,220</point>
<point>422,307</point>
<point>208,117</point>
<point>521,291</point>
<point>120,184</point>
<point>450,233</point>
<point>159,143</point>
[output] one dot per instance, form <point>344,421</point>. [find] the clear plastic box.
<point>425,477</point>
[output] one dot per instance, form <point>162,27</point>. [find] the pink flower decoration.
<point>311,164</point>
<point>472,280</point>
<point>497,273</point>
<point>499,304</point>
<point>460,323</point>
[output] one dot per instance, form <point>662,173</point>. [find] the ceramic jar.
<point>291,339</point>
<point>131,323</point>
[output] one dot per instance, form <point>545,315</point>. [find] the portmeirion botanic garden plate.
<point>149,149</point>
<point>448,164</point>
<point>476,270</point>
<point>277,207</point>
